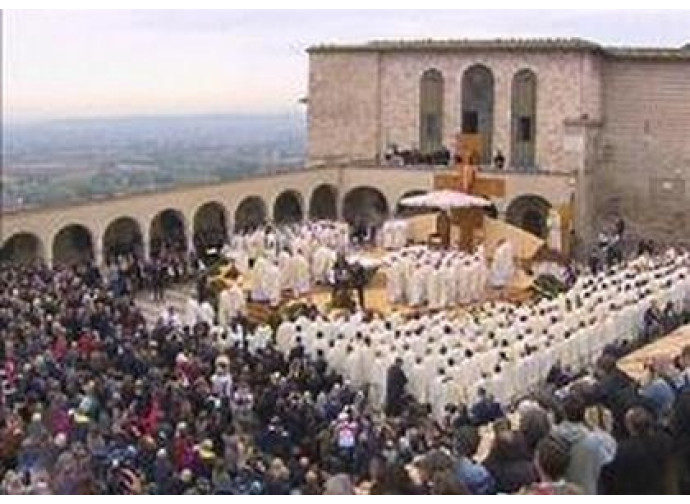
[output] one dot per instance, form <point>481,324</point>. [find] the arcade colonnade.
<point>203,217</point>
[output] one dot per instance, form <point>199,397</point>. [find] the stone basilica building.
<point>614,120</point>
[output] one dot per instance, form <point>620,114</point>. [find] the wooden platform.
<point>669,346</point>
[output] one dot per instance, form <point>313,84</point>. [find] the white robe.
<point>258,274</point>
<point>231,303</point>
<point>503,267</point>
<point>206,313</point>
<point>192,311</point>
<point>300,272</point>
<point>271,282</point>
<point>434,287</point>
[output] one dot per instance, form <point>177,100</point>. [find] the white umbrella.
<point>445,200</point>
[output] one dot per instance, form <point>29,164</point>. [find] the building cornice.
<point>527,44</point>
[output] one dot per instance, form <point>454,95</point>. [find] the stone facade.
<point>617,119</point>
<point>386,87</point>
<point>644,161</point>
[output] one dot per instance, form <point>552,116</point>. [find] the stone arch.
<point>365,205</point>
<point>122,236</point>
<point>168,231</point>
<point>209,226</point>
<point>22,248</point>
<point>288,207</point>
<point>323,203</point>
<point>523,123</point>
<point>250,213</point>
<point>478,111</point>
<point>403,211</point>
<point>73,244</point>
<point>529,212</point>
<point>431,111</point>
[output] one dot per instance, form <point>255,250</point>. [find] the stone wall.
<point>644,159</point>
<point>343,105</point>
<point>345,117</point>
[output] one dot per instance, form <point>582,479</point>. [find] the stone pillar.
<point>502,110</point>
<point>98,258</point>
<point>146,243</point>
<point>189,232</point>
<point>48,252</point>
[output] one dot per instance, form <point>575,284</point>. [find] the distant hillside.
<point>76,159</point>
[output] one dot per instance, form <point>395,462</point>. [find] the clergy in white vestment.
<point>418,286</point>
<point>257,279</point>
<point>271,282</point>
<point>285,267</point>
<point>261,338</point>
<point>300,274</point>
<point>285,335</point>
<point>433,289</point>
<point>553,224</point>
<point>192,310</point>
<point>323,261</point>
<point>207,314</point>
<point>393,281</point>
<point>448,284</point>
<point>377,378</point>
<point>503,266</point>
<point>231,304</point>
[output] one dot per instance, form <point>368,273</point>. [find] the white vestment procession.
<point>507,348</point>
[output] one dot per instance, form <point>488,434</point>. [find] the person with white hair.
<point>221,380</point>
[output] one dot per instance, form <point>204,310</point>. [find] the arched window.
<point>478,112</point>
<point>523,119</point>
<point>431,112</point>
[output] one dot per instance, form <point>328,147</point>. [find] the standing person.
<point>552,460</point>
<point>589,450</point>
<point>359,281</point>
<point>158,271</point>
<point>510,463</point>
<point>396,381</point>
<point>620,227</point>
<point>642,460</point>
<point>469,473</point>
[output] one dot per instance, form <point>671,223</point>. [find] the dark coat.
<point>396,381</point>
<point>640,466</point>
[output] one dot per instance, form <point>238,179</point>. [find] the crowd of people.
<point>95,400</point>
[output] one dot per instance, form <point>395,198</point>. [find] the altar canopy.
<point>446,200</point>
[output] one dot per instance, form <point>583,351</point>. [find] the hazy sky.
<point>93,63</point>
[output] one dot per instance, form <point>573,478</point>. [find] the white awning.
<point>445,200</point>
